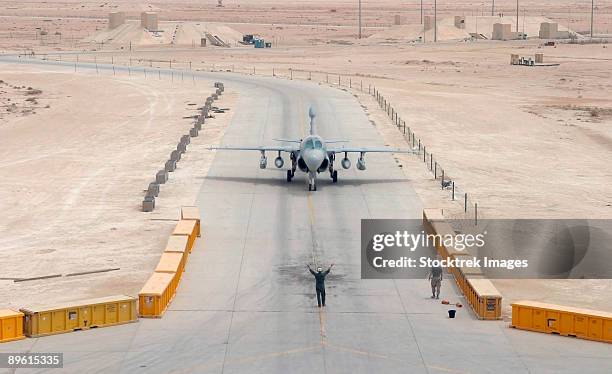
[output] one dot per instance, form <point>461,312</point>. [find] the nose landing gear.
<point>312,182</point>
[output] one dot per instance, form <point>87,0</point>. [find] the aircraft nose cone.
<point>314,159</point>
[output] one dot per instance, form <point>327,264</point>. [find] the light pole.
<point>517,16</point>
<point>493,8</point>
<point>435,21</point>
<point>359,19</point>
<point>592,16</point>
<point>421,12</point>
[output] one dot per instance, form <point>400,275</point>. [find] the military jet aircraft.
<point>312,155</point>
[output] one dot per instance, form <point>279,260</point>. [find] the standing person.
<point>320,282</point>
<point>435,277</point>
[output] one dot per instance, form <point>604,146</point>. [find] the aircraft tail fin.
<point>312,114</point>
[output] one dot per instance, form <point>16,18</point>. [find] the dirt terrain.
<point>524,142</point>
<point>74,175</point>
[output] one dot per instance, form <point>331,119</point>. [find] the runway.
<point>246,303</point>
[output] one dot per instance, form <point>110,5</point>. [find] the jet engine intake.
<point>361,163</point>
<point>346,163</point>
<point>279,162</point>
<point>302,165</point>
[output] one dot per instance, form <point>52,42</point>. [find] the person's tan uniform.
<point>435,277</point>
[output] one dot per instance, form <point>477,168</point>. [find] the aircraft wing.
<point>370,150</point>
<point>260,148</point>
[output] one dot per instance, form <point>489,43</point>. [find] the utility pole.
<point>359,19</point>
<point>592,16</point>
<point>421,12</point>
<point>435,21</point>
<point>493,8</point>
<point>517,16</point>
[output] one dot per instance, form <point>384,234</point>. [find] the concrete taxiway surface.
<point>246,302</point>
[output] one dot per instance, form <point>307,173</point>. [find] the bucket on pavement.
<point>451,313</point>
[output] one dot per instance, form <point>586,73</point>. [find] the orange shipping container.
<point>186,228</point>
<point>11,325</point>
<point>192,213</point>
<point>156,295</point>
<point>562,320</point>
<point>79,315</point>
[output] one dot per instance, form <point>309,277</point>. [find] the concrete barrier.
<point>153,189</point>
<point>215,96</point>
<point>170,165</point>
<point>181,147</point>
<point>148,204</point>
<point>185,139</point>
<point>193,132</point>
<point>175,156</point>
<point>198,126</point>
<point>161,177</point>
<point>78,315</point>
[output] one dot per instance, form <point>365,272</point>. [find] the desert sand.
<point>74,175</point>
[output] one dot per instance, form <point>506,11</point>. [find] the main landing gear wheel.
<point>289,175</point>
<point>312,187</point>
<point>334,176</point>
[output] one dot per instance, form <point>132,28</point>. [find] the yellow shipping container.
<point>156,295</point>
<point>11,325</point>
<point>170,262</point>
<point>79,315</point>
<point>562,320</point>
<point>485,299</point>
<point>187,228</point>
<point>192,213</point>
<point>178,244</point>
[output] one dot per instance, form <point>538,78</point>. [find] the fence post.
<point>424,154</point>
<point>465,203</point>
<point>350,82</point>
<point>436,170</point>
<point>273,73</point>
<point>339,83</point>
<point>476,214</point>
<point>453,190</point>
<point>431,161</point>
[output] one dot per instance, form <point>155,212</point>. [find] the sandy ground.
<point>73,178</point>
<point>58,24</point>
